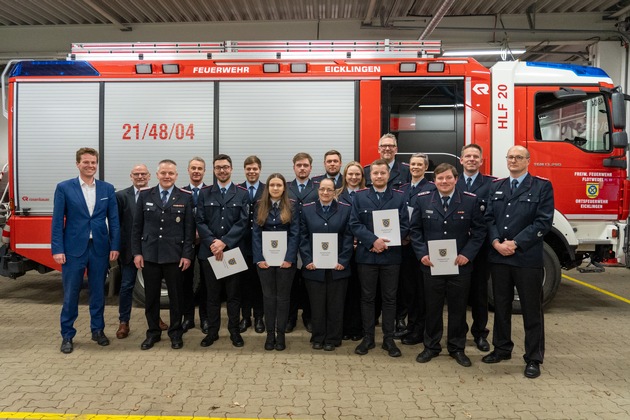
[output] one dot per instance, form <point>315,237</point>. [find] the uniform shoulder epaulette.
<point>290,199</point>
<point>366,166</point>
<point>398,191</point>
<point>405,164</point>
<point>405,184</point>
<point>469,193</point>
<point>541,177</point>
<point>491,177</point>
<point>498,179</point>
<point>308,204</point>
<point>423,193</point>
<point>145,188</point>
<point>185,191</point>
<point>241,187</point>
<point>362,189</point>
<point>341,203</point>
<point>206,186</point>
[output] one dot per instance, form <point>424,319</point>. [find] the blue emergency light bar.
<point>578,70</point>
<point>53,68</point>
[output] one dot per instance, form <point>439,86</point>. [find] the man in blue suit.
<point>84,240</point>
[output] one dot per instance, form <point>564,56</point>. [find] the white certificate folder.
<point>325,252</point>
<point>274,247</point>
<point>232,263</point>
<point>443,254</point>
<point>387,225</point>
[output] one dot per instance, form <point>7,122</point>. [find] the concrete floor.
<point>586,374</point>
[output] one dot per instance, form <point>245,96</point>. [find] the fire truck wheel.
<point>139,293</point>
<point>551,281</point>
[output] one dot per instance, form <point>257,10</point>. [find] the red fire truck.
<point>145,102</point>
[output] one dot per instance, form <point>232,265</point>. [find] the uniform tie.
<point>164,197</point>
<point>222,192</point>
<point>301,188</point>
<point>379,195</point>
<point>251,193</point>
<point>445,203</point>
<point>468,183</point>
<point>195,195</point>
<point>352,195</point>
<point>275,208</point>
<point>137,194</point>
<point>514,185</point>
<point>326,208</point>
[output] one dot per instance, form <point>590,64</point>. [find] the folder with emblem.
<point>274,247</point>
<point>443,254</point>
<point>325,251</point>
<point>387,225</point>
<point>233,262</point>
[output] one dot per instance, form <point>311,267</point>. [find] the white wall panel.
<point>276,120</point>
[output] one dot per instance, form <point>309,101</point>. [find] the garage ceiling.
<point>423,16</point>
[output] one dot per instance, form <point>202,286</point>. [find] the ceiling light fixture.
<point>476,53</point>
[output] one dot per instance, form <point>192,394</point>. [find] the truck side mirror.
<point>620,140</point>
<point>619,110</point>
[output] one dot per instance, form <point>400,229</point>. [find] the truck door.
<point>426,115</point>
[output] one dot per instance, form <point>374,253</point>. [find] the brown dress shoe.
<point>123,330</point>
<point>163,325</point>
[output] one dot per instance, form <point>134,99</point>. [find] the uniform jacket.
<point>480,187</point>
<point>164,233</point>
<point>188,188</point>
<point>362,225</point>
<point>71,237</point>
<point>222,217</point>
<point>274,223</point>
<point>525,216</point>
<point>307,196</point>
<point>314,220</point>
<point>411,196</point>
<point>345,197</point>
<point>317,179</point>
<point>398,175</point>
<point>247,238</point>
<point>126,210</point>
<point>463,221</point>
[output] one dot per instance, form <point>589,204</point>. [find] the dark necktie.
<point>222,192</point>
<point>195,195</point>
<point>326,208</point>
<point>275,209</point>
<point>468,183</point>
<point>379,196</point>
<point>514,186</point>
<point>301,188</point>
<point>164,197</point>
<point>351,195</point>
<point>251,193</point>
<point>445,203</point>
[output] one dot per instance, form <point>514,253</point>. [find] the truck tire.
<point>551,281</point>
<point>139,295</point>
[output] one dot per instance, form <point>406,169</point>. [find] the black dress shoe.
<point>426,356</point>
<point>188,324</point>
<point>532,370</point>
<point>411,339</point>
<point>356,337</point>
<point>66,346</point>
<point>317,346</point>
<point>270,342</point>
<point>208,340</point>
<point>345,337</point>
<point>392,349</point>
<point>461,358</point>
<point>329,347</point>
<point>259,325</point>
<point>149,342</point>
<point>308,325</point>
<point>237,340</point>
<point>290,326</point>
<point>205,326</point>
<point>100,338</point>
<point>494,357</point>
<point>244,324</point>
<point>482,344</point>
<point>177,343</point>
<point>363,347</point>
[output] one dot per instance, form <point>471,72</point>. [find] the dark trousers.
<point>478,295</point>
<point>153,274</point>
<point>276,285</point>
<point>299,299</point>
<point>528,283</point>
<point>128,281</point>
<point>251,292</point>
<point>189,298</point>
<point>352,325</point>
<point>369,275</point>
<point>327,298</point>
<point>455,290</point>
<point>72,278</point>
<point>214,286</point>
<point>412,283</point>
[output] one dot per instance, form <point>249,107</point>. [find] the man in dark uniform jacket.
<point>438,215</point>
<point>475,182</point>
<point>302,190</point>
<point>251,291</point>
<point>398,172</point>
<point>332,164</point>
<point>375,259</point>
<point>519,215</point>
<point>196,172</point>
<point>162,241</point>
<point>222,219</point>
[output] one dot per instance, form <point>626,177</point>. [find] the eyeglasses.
<point>387,146</point>
<point>222,168</point>
<point>516,157</point>
<point>326,190</point>
<point>139,174</point>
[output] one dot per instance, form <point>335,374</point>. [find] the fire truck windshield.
<point>583,123</point>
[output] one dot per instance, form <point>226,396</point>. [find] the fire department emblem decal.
<point>443,252</point>
<point>386,222</point>
<point>274,244</point>
<point>592,189</point>
<point>325,246</point>
<point>232,261</point>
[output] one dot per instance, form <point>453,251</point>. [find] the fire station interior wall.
<point>145,122</point>
<point>276,120</point>
<point>53,122</point>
